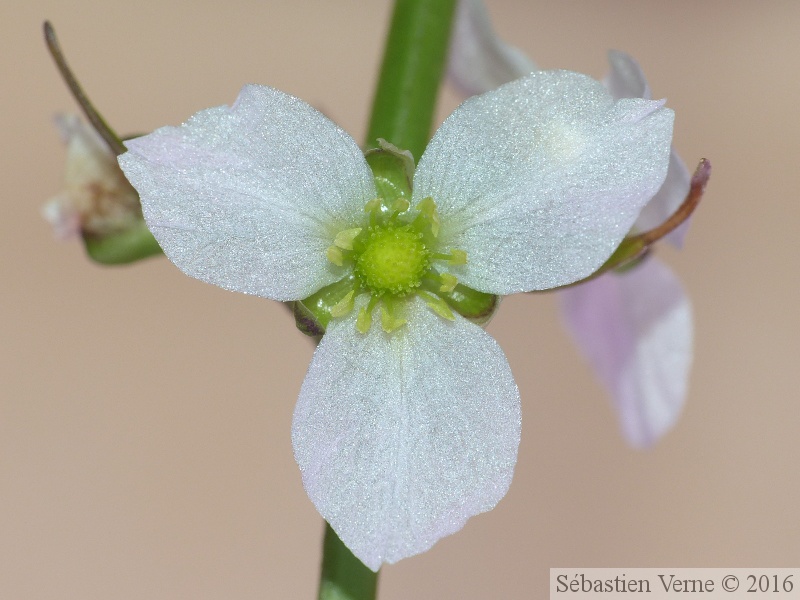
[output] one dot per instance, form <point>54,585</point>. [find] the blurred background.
<point>145,416</point>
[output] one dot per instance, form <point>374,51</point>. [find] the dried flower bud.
<point>97,200</point>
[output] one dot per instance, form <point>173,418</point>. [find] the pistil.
<point>392,258</point>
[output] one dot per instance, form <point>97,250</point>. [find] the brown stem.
<point>97,121</point>
<point>636,246</point>
<point>696,189</point>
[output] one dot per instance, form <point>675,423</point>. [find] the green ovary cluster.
<point>392,258</point>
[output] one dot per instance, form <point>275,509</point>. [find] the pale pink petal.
<point>479,60</point>
<point>636,331</point>
<point>626,79</point>
<point>401,438</point>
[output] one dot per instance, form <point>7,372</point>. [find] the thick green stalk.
<point>402,113</point>
<point>343,576</point>
<point>413,64</point>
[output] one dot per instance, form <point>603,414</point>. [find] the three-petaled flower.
<point>408,421</point>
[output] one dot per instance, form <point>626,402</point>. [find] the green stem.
<point>413,64</point>
<point>402,113</point>
<point>344,577</point>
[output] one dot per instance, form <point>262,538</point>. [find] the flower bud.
<point>97,202</point>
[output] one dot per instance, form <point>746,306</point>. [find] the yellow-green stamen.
<point>344,306</point>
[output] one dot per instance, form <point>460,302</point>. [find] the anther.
<point>400,205</point>
<point>449,282</point>
<point>373,205</point>
<point>455,257</point>
<point>458,257</point>
<point>344,306</point>
<point>437,305</point>
<point>344,239</point>
<point>364,320</point>
<point>427,211</point>
<point>389,321</point>
<point>335,255</point>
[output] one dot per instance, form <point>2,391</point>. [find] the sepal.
<point>393,170</point>
<point>478,307</point>
<point>124,247</point>
<point>306,320</point>
<point>312,314</point>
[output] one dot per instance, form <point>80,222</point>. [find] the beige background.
<point>144,416</point>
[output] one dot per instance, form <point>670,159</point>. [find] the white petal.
<point>636,331</point>
<point>479,60</point>
<point>249,197</point>
<point>671,195</point>
<point>626,79</point>
<point>539,180</point>
<point>401,438</point>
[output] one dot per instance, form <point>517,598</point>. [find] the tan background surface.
<point>144,416</point>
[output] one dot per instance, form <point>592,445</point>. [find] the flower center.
<point>394,259</point>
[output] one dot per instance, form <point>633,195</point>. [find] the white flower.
<point>407,424</point>
<point>97,200</point>
<point>635,327</point>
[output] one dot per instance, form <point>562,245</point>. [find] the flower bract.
<point>408,421</point>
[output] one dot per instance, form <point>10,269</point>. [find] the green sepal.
<point>130,245</point>
<point>393,170</point>
<point>478,307</point>
<point>313,314</point>
<point>630,249</point>
<point>632,263</point>
<point>306,321</point>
